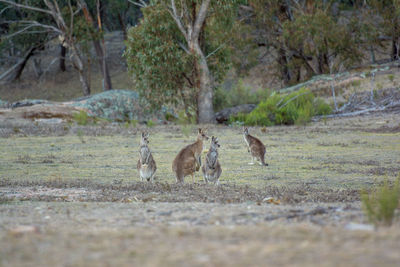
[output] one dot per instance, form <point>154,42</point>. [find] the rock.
<point>224,115</point>
<point>118,105</point>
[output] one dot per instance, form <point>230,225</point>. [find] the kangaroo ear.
<point>199,130</point>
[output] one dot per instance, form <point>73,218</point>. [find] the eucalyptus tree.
<point>180,50</point>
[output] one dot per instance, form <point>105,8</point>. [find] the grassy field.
<point>77,193</point>
<point>322,155</point>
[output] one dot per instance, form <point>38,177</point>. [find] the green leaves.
<point>157,56</point>
<point>380,205</point>
<point>294,108</point>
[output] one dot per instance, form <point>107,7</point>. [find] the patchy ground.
<point>69,195</point>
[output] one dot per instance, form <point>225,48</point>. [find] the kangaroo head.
<point>201,135</point>
<point>214,142</point>
<point>245,131</point>
<point>144,141</point>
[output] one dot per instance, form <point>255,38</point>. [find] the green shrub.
<point>294,108</point>
<point>150,123</point>
<point>356,83</point>
<point>391,77</point>
<point>321,107</point>
<point>81,118</point>
<point>380,205</point>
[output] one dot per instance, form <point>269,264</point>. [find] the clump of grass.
<point>380,205</point>
<point>391,77</point>
<point>81,118</point>
<point>150,123</point>
<point>80,136</point>
<point>356,83</point>
<point>294,108</point>
<point>130,123</point>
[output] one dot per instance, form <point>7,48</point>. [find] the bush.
<point>380,205</point>
<point>294,108</point>
<point>81,118</point>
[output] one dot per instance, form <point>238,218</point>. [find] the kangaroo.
<point>188,159</point>
<point>211,168</point>
<point>255,147</point>
<point>146,165</point>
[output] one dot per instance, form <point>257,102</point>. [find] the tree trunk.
<point>283,64</point>
<point>103,65</point>
<point>16,74</point>
<point>83,75</point>
<point>123,26</point>
<point>205,109</point>
<point>99,48</point>
<point>63,54</point>
<point>395,48</point>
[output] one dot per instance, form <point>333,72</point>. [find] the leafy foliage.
<point>156,61</point>
<point>81,118</point>
<point>380,205</point>
<point>162,70</point>
<point>295,108</point>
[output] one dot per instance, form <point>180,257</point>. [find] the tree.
<point>64,30</point>
<point>179,51</point>
<point>389,12</point>
<point>99,47</point>
<point>20,39</point>
<point>306,37</point>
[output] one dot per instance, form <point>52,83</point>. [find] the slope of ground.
<point>69,195</point>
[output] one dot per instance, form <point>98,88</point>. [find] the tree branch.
<point>26,7</point>
<point>200,19</point>
<point>141,3</point>
<point>33,23</point>
<point>178,21</point>
<point>215,51</point>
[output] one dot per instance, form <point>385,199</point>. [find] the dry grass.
<point>85,206</point>
<point>93,234</point>
<point>317,156</point>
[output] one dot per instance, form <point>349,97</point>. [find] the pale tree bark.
<point>190,25</point>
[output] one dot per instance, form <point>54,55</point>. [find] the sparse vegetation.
<point>81,118</point>
<point>79,133</point>
<point>150,123</point>
<point>238,95</point>
<point>381,203</point>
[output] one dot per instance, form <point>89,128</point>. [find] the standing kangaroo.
<point>146,165</point>
<point>255,147</point>
<point>188,159</point>
<point>211,168</point>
